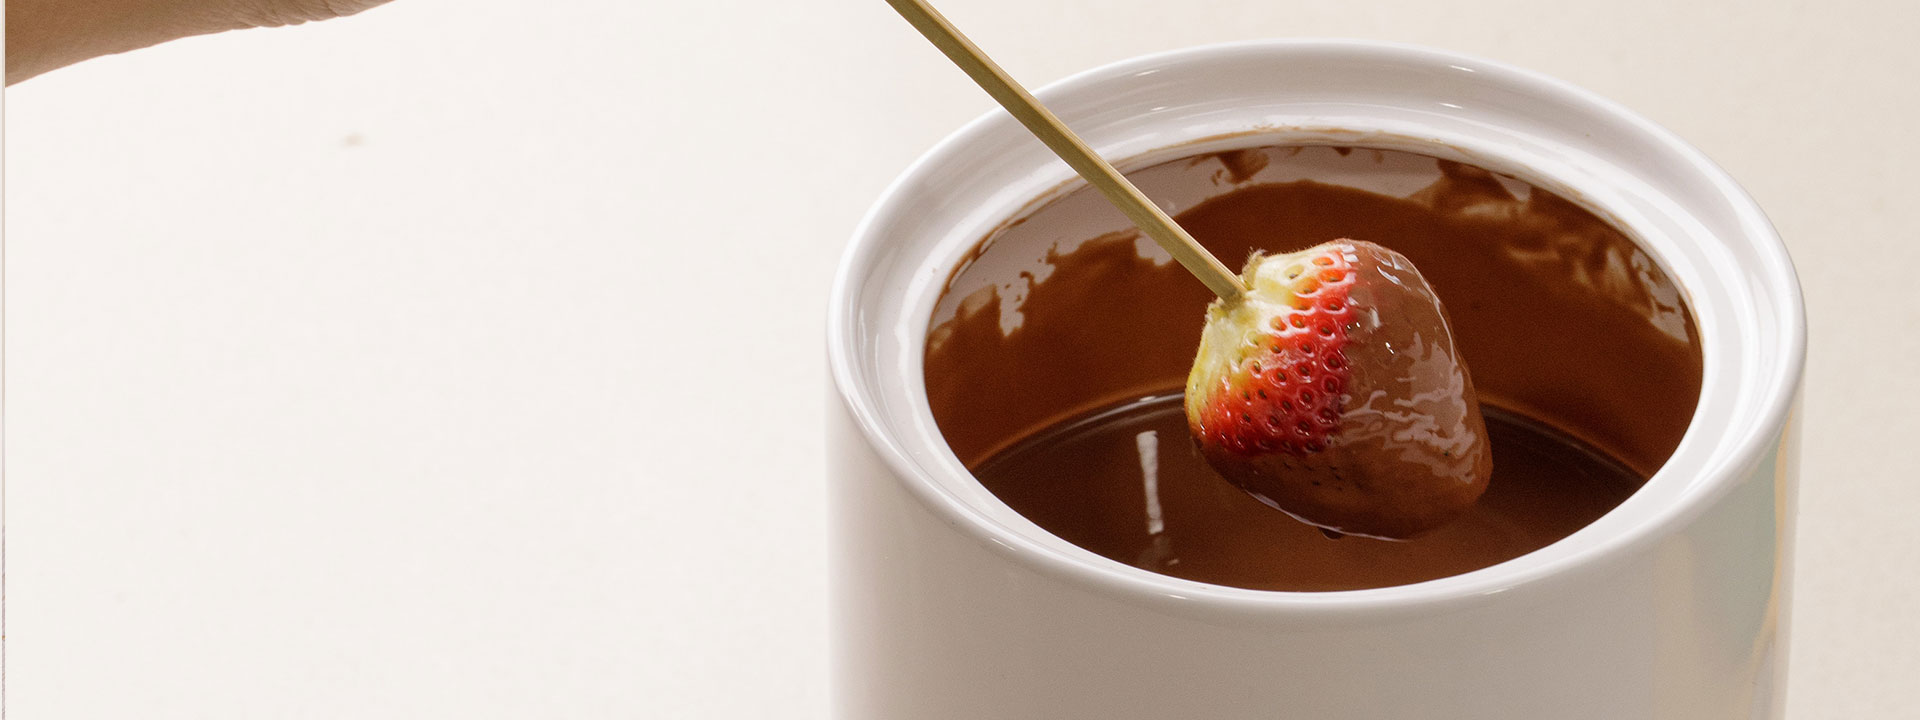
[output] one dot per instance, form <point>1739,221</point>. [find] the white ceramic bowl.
<point>948,604</point>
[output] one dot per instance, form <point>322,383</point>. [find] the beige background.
<point>463,359</point>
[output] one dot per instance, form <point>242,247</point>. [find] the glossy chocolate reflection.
<point>1567,326</point>
<point>1124,482</point>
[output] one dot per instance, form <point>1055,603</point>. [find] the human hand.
<point>46,34</point>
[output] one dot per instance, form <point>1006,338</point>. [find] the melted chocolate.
<point>1127,484</point>
<point>1567,326</point>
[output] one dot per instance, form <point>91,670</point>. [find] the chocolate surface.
<point>1566,325</point>
<point>1127,484</point>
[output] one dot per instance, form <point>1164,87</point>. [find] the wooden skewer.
<point>1042,123</point>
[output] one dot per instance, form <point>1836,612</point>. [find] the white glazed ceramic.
<point>947,604</point>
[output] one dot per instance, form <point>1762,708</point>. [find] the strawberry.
<point>1331,390</point>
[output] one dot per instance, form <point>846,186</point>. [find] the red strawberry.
<point>1331,390</point>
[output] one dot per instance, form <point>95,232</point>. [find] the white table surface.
<point>464,358</point>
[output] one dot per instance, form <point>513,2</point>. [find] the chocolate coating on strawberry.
<point>1332,391</point>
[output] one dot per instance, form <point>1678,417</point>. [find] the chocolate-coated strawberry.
<point>1331,390</point>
